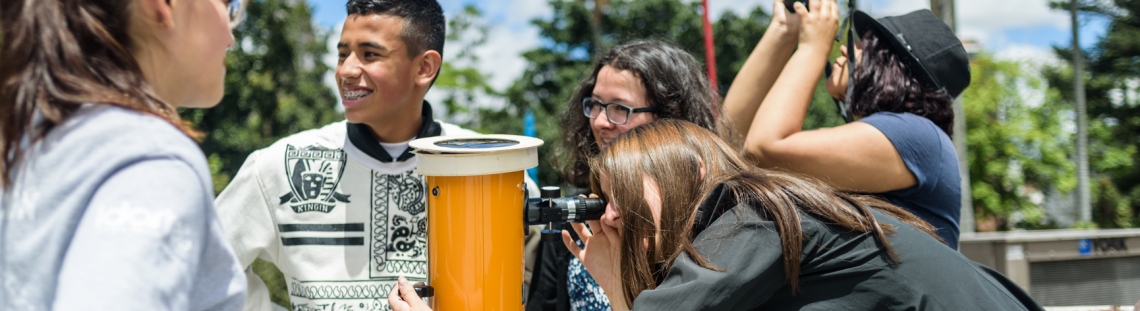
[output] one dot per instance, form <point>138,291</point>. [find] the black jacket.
<point>839,270</point>
<point>548,283</point>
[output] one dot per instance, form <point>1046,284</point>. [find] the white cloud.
<point>986,21</point>
<point>988,14</point>
<point>878,8</point>
<point>1029,55</point>
<point>991,22</point>
<point>1032,60</point>
<point>510,35</point>
<point>740,7</point>
<point>501,56</point>
<point>525,10</point>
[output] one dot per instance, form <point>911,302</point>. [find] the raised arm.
<point>855,157</point>
<point>761,68</point>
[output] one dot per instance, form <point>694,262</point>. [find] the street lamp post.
<point>1084,200</point>
<point>944,9</point>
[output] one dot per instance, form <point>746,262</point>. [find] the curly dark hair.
<point>883,82</point>
<point>674,82</point>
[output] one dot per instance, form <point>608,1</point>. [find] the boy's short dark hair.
<point>424,25</point>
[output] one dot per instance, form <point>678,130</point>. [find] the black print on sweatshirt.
<point>399,225</point>
<point>314,173</point>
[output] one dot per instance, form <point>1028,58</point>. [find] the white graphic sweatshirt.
<point>336,213</point>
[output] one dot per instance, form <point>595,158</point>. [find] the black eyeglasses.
<point>616,113</point>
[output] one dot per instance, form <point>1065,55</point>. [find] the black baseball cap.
<point>927,45</point>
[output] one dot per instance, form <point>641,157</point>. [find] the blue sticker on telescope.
<point>1084,247</point>
<point>476,143</point>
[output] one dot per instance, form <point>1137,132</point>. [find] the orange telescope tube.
<point>475,218</point>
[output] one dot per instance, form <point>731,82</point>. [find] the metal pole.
<point>710,52</point>
<point>596,25</point>
<point>944,9</point>
<point>1084,202</point>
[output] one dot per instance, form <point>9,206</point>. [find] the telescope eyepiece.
<point>552,209</point>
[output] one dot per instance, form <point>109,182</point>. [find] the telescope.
<point>550,209</point>
<point>476,229</point>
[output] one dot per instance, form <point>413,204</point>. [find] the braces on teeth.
<point>356,94</point>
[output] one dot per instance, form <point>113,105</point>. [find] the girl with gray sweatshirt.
<point>105,199</point>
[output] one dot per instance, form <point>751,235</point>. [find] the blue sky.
<point>1012,29</point>
<point>332,12</point>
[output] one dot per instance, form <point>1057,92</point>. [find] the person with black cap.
<point>907,71</point>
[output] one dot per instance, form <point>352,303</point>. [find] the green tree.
<point>273,89</point>
<point>1016,147</point>
<point>1111,83</point>
<point>463,84</point>
<point>273,86</point>
<point>555,69</point>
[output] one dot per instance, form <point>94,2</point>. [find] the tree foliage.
<point>465,88</point>
<point>1111,83</point>
<point>273,89</point>
<point>1017,147</point>
<point>555,69</point>
<point>273,86</point>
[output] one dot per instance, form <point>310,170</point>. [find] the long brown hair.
<point>674,82</point>
<point>60,54</point>
<point>671,153</point>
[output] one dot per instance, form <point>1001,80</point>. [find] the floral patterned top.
<point>585,294</point>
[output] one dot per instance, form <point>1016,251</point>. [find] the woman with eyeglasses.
<point>631,85</point>
<point>106,201</point>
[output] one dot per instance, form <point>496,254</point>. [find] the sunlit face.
<point>619,87</point>
<point>837,83</point>
<point>375,75</point>
<point>198,40</point>
<point>652,195</point>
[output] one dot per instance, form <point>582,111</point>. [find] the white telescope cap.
<point>475,155</point>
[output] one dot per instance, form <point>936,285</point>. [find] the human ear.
<point>156,12</point>
<point>428,67</point>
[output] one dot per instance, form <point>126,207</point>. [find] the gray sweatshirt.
<point>113,210</point>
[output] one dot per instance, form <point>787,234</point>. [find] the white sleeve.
<point>244,209</point>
